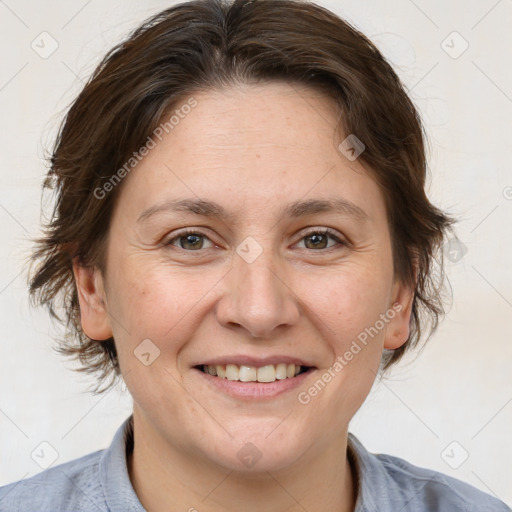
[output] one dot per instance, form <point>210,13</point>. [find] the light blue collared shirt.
<point>99,482</point>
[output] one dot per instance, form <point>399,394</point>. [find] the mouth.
<point>254,383</point>
<point>262,374</point>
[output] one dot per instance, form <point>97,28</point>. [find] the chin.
<point>262,446</point>
<point>250,460</point>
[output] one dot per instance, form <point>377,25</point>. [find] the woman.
<point>242,234</point>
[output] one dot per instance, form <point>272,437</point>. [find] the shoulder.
<point>391,483</point>
<point>74,485</point>
<point>437,490</point>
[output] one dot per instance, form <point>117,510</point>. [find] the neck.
<point>166,478</point>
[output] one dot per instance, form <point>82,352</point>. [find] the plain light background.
<point>451,409</point>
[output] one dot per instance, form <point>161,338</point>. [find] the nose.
<point>257,298</point>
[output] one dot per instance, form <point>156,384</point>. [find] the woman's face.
<point>258,284</point>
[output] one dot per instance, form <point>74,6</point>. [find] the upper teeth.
<point>268,373</point>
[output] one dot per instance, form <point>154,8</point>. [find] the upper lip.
<point>246,360</point>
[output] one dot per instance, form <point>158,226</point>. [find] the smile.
<point>241,382</point>
<point>244,373</point>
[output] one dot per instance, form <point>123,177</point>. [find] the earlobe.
<point>93,308</point>
<point>398,329</point>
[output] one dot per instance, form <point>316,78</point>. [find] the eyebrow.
<point>293,210</point>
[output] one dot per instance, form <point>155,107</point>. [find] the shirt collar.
<point>367,475</point>
<point>113,472</point>
<point>120,495</point>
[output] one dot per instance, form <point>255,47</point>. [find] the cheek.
<point>153,300</point>
<point>341,387</point>
<point>349,318</point>
<point>350,301</point>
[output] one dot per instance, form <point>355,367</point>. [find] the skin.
<point>252,149</point>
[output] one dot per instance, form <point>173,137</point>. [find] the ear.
<point>93,307</point>
<point>398,328</point>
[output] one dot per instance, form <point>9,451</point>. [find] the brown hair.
<point>204,44</point>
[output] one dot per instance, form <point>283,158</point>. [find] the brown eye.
<point>320,239</point>
<point>189,241</point>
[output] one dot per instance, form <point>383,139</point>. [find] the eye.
<point>318,239</point>
<point>189,240</point>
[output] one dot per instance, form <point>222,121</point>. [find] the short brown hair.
<point>199,45</point>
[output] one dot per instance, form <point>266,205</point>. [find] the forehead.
<point>272,121</point>
<point>250,146</point>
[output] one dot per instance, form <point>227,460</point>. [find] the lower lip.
<point>255,390</point>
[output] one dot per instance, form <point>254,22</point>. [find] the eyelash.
<point>323,232</point>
